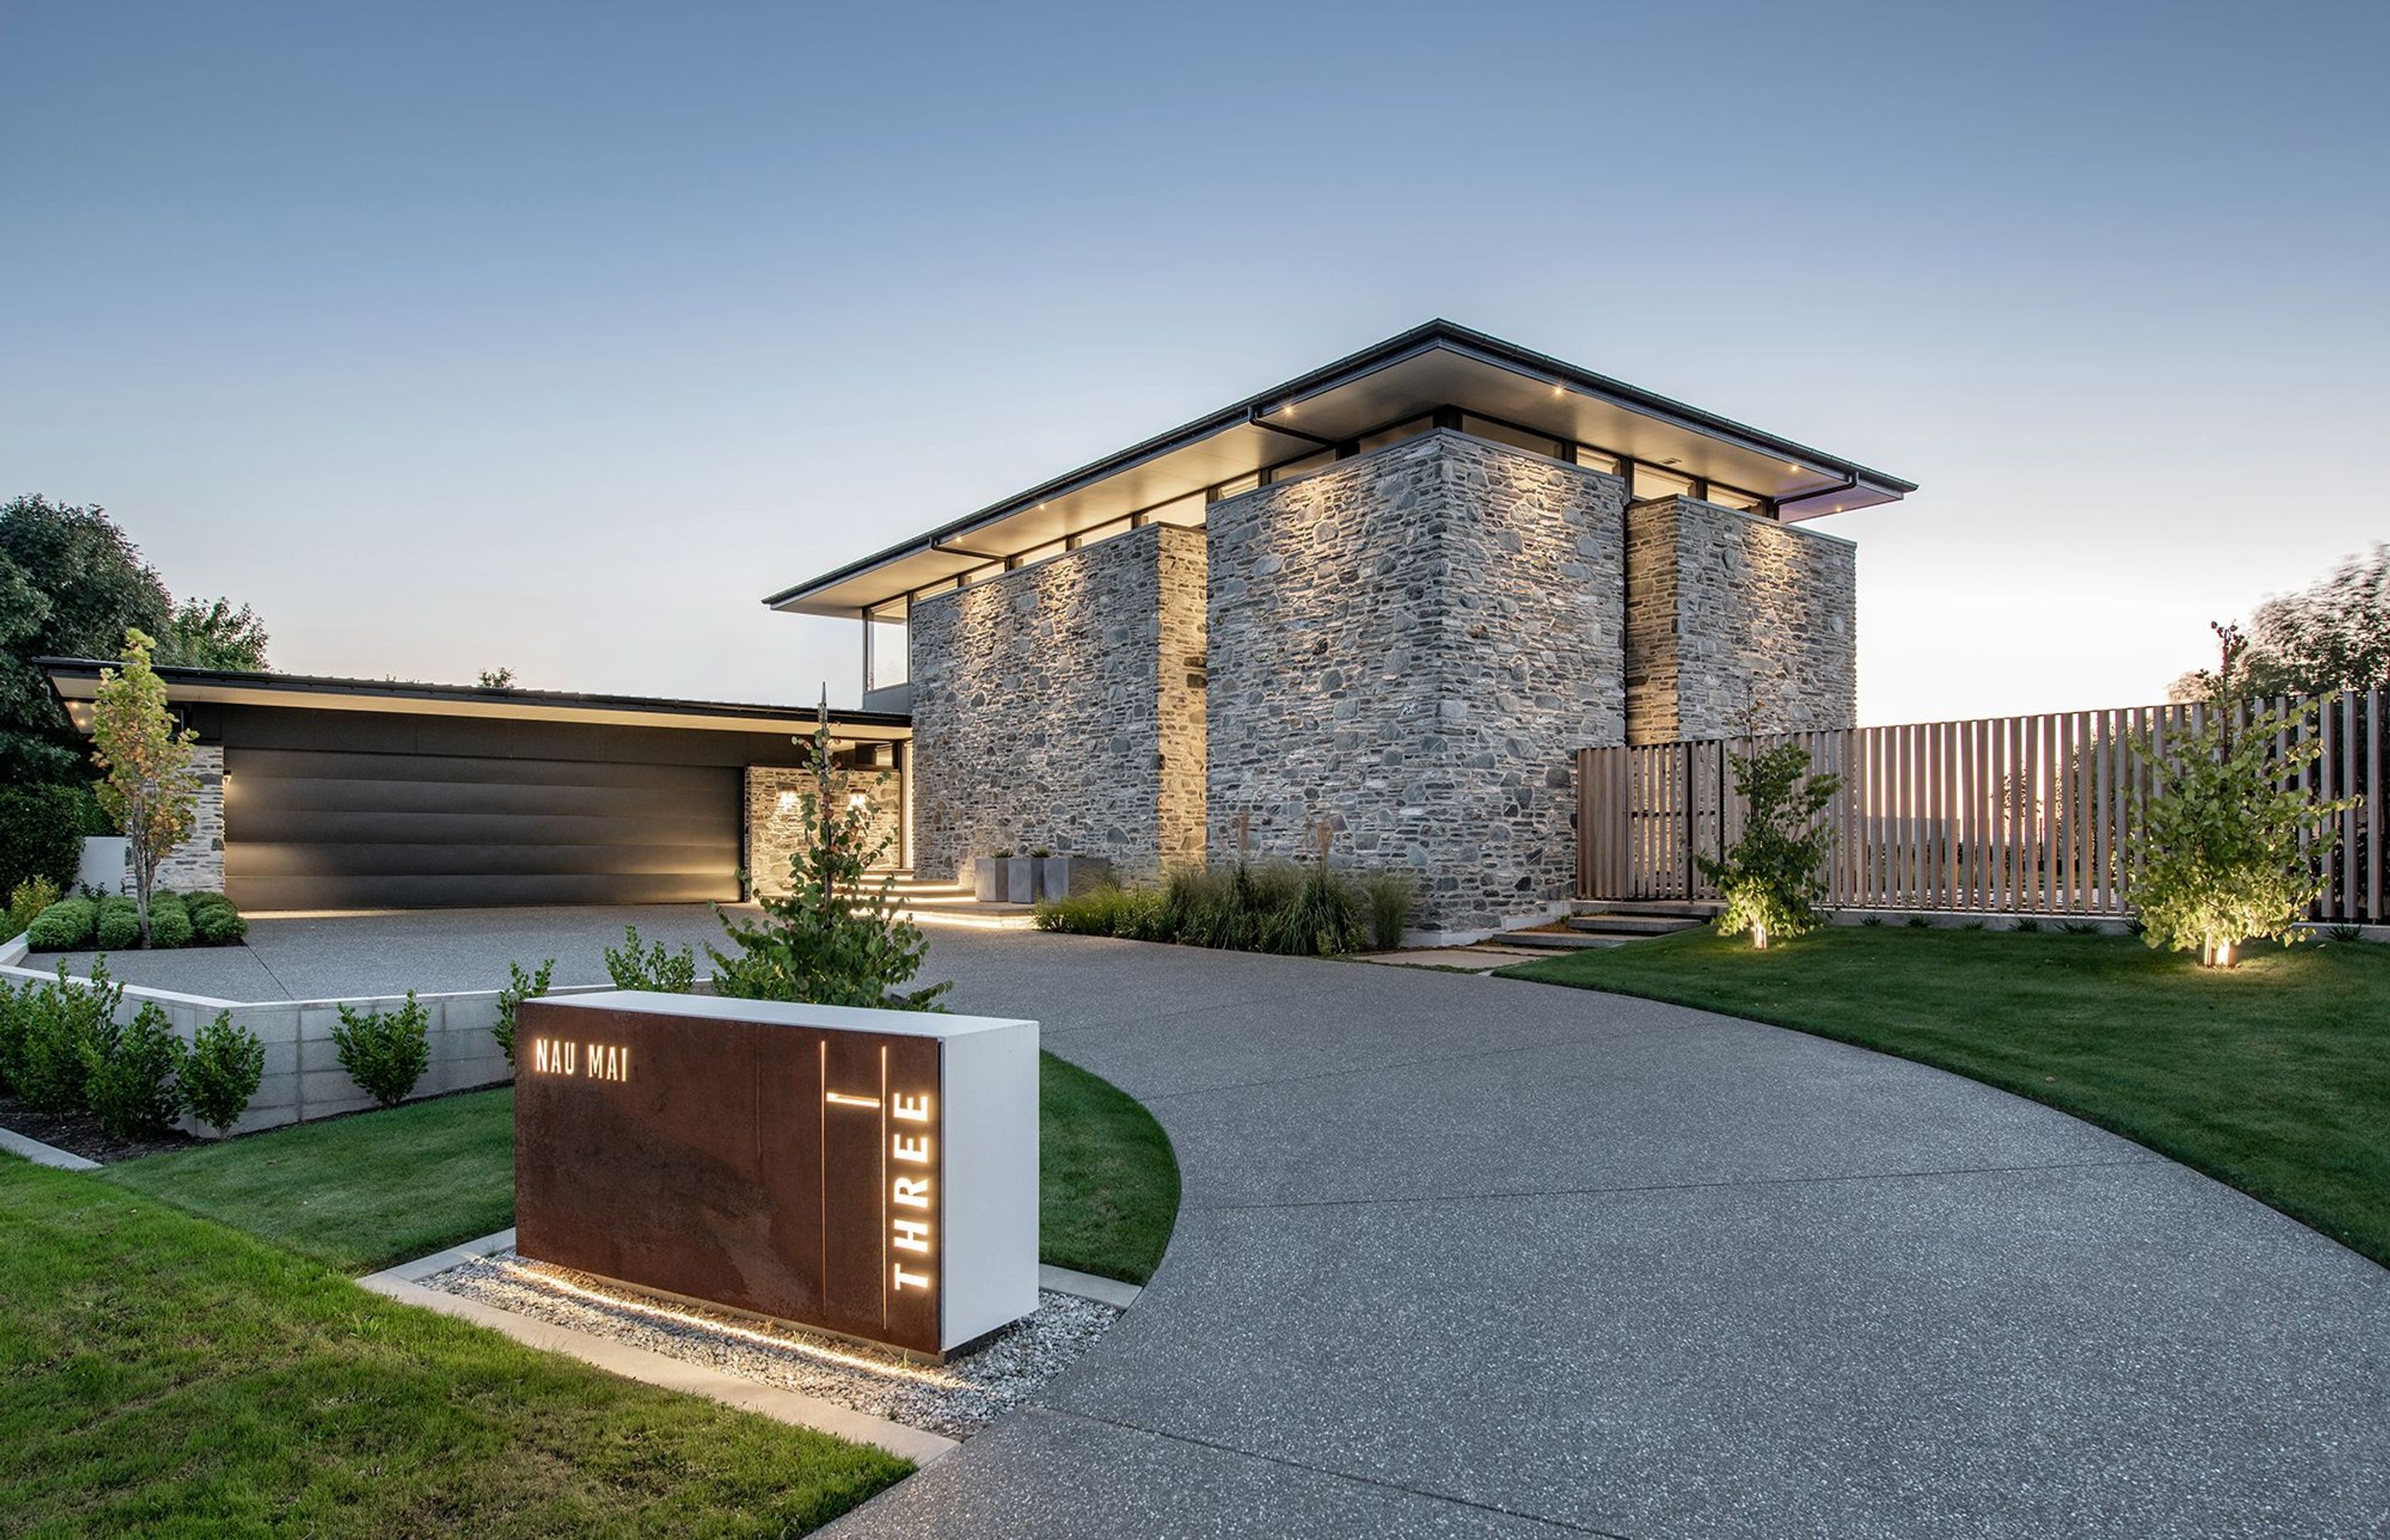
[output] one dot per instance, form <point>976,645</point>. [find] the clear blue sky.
<point>453,336</point>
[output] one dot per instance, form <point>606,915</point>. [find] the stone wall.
<point>198,862</point>
<point>1735,619</point>
<point>1407,647</point>
<point>777,825</point>
<point>1058,706</point>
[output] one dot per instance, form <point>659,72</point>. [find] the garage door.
<point>320,829</point>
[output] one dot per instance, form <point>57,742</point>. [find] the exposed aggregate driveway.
<point>1472,1256</point>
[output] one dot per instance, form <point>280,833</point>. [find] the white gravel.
<point>956,1398</point>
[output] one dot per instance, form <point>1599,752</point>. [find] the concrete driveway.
<point>1468,1256</point>
<point>430,950</point>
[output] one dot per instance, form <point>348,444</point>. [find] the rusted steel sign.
<point>871,1172</point>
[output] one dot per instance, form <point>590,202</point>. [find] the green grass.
<point>361,1192</point>
<point>2273,1076</point>
<point>1108,1188</point>
<point>166,1376</point>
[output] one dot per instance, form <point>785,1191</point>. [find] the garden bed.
<point>81,1133</point>
<point>112,923</point>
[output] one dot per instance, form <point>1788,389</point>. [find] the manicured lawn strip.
<point>2273,1076</point>
<point>1108,1188</point>
<point>166,1376</point>
<point>363,1192</point>
<point>354,1193</point>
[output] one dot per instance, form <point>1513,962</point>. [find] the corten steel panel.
<point>748,1165</point>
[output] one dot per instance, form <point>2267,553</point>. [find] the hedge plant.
<point>64,926</point>
<point>132,1074</point>
<point>222,1071</point>
<point>41,834</point>
<point>385,1051</point>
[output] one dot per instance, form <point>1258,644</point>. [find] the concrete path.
<point>1468,1256</point>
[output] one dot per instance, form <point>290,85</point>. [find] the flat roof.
<point>76,681</point>
<point>1430,367</point>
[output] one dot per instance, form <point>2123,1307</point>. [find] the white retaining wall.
<point>303,1078</point>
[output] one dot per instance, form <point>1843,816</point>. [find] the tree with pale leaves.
<point>149,784</point>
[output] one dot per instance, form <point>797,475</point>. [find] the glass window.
<point>1237,488</point>
<point>888,652</point>
<point>1396,434</point>
<point>1727,497</point>
<point>1102,532</point>
<point>1305,466</point>
<point>1600,460</point>
<point>1503,433</point>
<point>1652,482</point>
<point>1187,512</point>
<point>1038,553</point>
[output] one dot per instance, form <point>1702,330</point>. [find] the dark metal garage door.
<point>330,829</point>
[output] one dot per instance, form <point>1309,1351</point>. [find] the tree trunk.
<point>145,873</point>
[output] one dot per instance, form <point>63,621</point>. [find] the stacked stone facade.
<point>1061,706</point>
<point>1406,647</point>
<point>198,862</point>
<point>778,826</point>
<point>1735,621</point>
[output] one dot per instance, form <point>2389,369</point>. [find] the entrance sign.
<point>870,1172</point>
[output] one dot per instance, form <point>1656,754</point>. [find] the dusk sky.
<point>453,336</point>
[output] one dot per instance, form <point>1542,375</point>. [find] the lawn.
<point>2273,1076</point>
<point>361,1192</point>
<point>170,1377</point>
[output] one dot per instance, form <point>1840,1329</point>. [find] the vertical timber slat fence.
<point>2025,815</point>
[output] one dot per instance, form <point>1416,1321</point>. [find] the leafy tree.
<point>215,634</point>
<point>70,585</point>
<point>654,968</point>
<point>2218,842</point>
<point>151,786</point>
<point>835,939</point>
<point>2332,634</point>
<point>1769,877</point>
<point>497,679</point>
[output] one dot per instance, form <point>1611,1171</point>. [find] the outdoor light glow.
<point>894,1369</point>
<point>787,801</point>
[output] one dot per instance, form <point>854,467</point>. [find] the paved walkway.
<point>1468,1256</point>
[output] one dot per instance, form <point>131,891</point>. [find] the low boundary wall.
<point>303,1079</point>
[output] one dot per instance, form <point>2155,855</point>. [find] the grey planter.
<point>1065,875</point>
<point>1021,879</point>
<point>987,878</point>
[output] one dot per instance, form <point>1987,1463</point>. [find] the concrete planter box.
<point>1065,875</point>
<point>987,878</point>
<point>103,861</point>
<point>1020,879</point>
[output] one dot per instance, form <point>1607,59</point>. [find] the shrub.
<point>836,937</point>
<point>1388,896</point>
<point>222,1071</point>
<point>1769,876</point>
<point>170,921</point>
<point>1135,914</point>
<point>657,970</point>
<point>119,925</point>
<point>12,1033</point>
<point>521,986</point>
<point>63,1025</point>
<point>134,1075</point>
<point>1323,919</point>
<point>1271,907</point>
<point>26,900</point>
<point>385,1051</point>
<point>214,922</point>
<point>41,834</point>
<point>64,926</point>
<point>2226,837</point>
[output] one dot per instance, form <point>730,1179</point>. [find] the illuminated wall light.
<point>858,799</point>
<point>787,801</point>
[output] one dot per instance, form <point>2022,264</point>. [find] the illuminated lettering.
<point>910,1281</point>
<point>911,1147</point>
<point>912,1108</point>
<point>539,1056</point>
<point>604,1060</point>
<point>913,1191</point>
<point>912,1235</point>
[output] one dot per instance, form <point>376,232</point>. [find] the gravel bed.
<point>956,1398</point>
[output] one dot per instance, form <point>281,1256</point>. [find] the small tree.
<point>2225,841</point>
<point>836,939</point>
<point>151,787</point>
<point>1769,877</point>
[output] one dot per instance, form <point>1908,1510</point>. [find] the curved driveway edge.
<point>1477,1256</point>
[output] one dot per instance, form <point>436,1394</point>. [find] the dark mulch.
<point>81,1133</point>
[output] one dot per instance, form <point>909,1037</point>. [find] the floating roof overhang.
<point>1436,365</point>
<point>76,680</point>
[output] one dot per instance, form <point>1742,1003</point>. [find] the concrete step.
<point>1633,925</point>
<point>1665,909</point>
<point>1559,940</point>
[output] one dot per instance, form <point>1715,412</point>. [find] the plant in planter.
<point>987,876</point>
